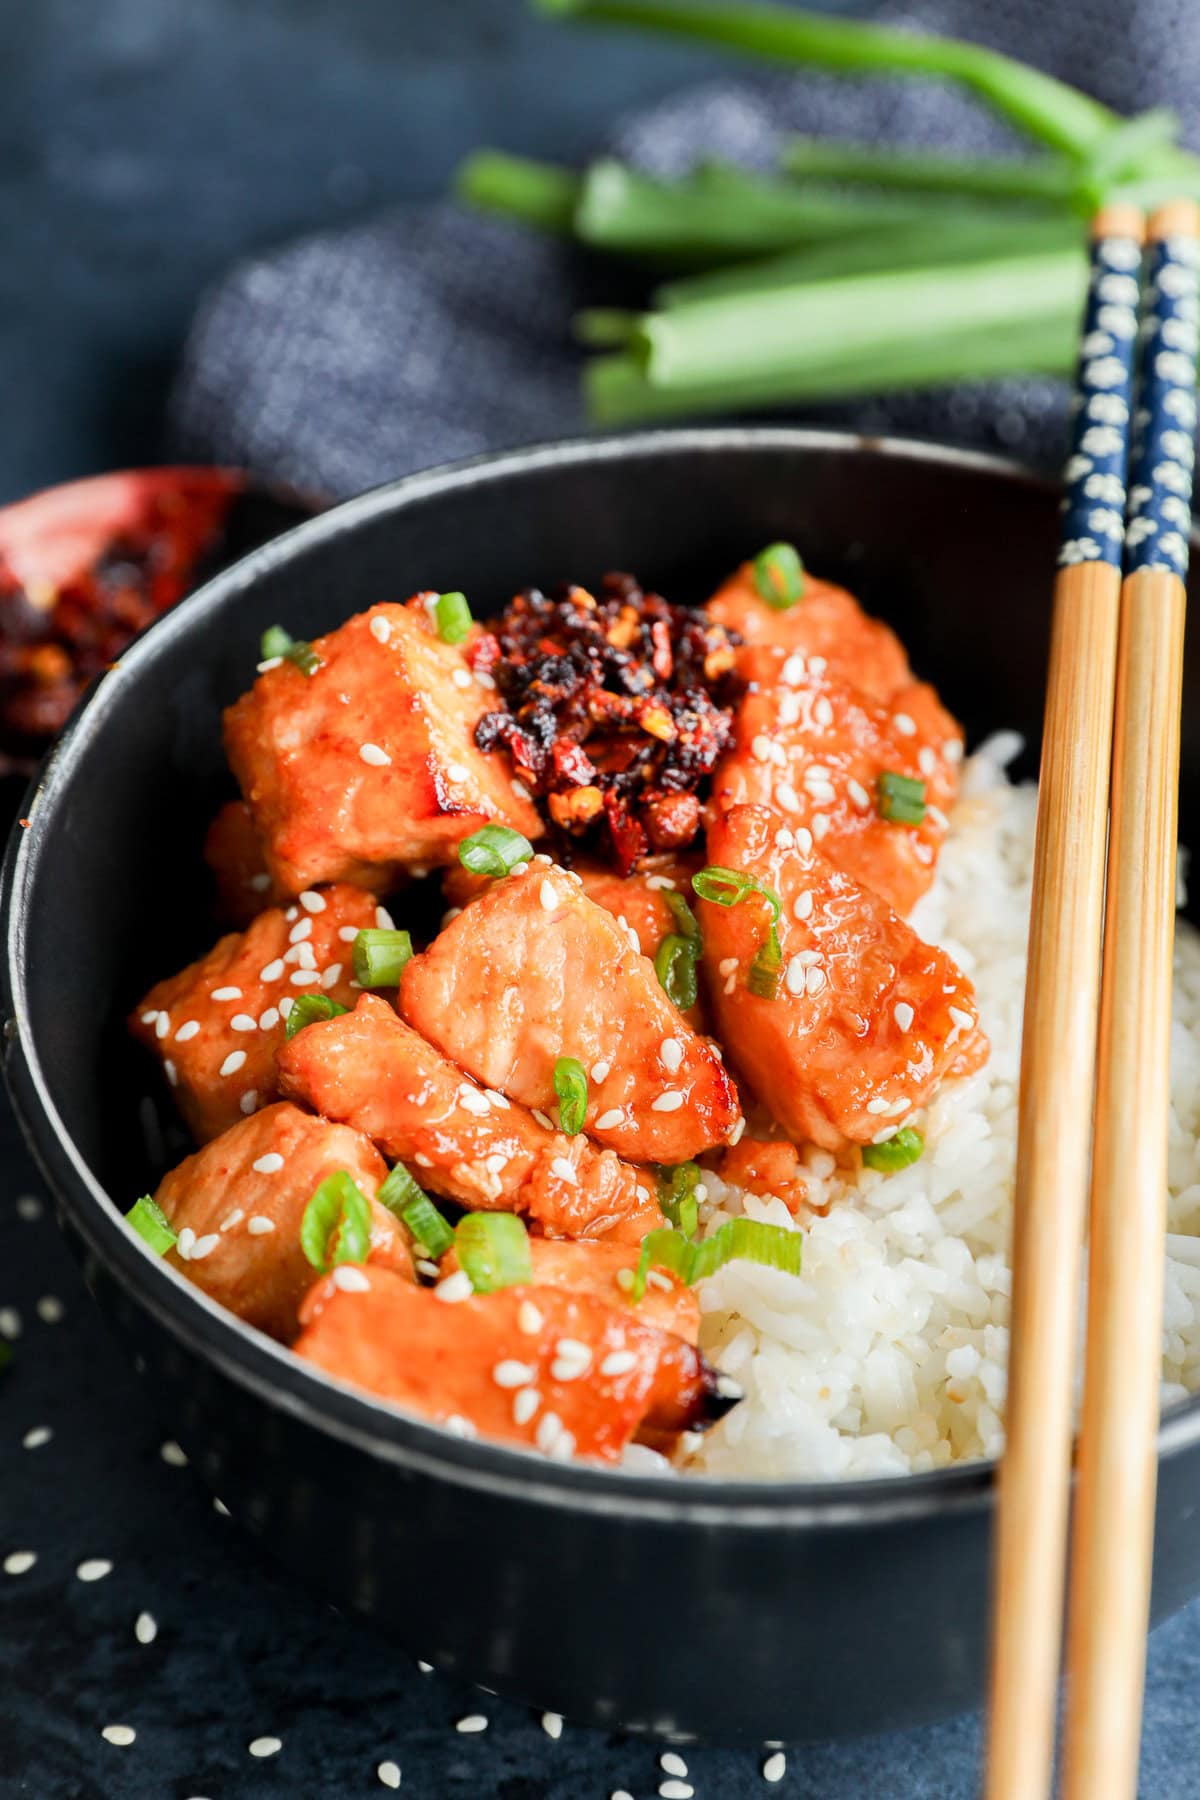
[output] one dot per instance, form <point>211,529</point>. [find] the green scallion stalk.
<point>494,1250</point>
<point>779,576</point>
<point>604,327</point>
<point>677,1196</point>
<point>398,1189</point>
<point>152,1225</point>
<point>380,956</point>
<point>1053,180</point>
<point>309,1009</point>
<point>675,965</point>
<point>900,798</point>
<point>1046,109</point>
<point>747,1240</point>
<point>571,1086</point>
<point>1123,151</point>
<point>727,887</point>
<point>896,1153</point>
<point>429,1230</point>
<point>336,1227</point>
<point>278,642</point>
<point>686,922</point>
<point>537,193</point>
<point>453,617</point>
<point>766,971</point>
<point>494,850</point>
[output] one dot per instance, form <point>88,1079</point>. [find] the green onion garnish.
<point>453,617</point>
<point>766,971</point>
<point>675,966</point>
<point>897,1153</point>
<point>746,1240</point>
<point>727,886</point>
<point>494,1250</point>
<point>336,1227</point>
<point>380,956</point>
<point>152,1224</point>
<point>779,576</point>
<point>677,1196</point>
<point>308,1009</point>
<point>901,798</point>
<point>398,1189</point>
<point>494,850</point>
<point>686,922</point>
<point>429,1230</point>
<point>571,1086</point>
<point>278,642</point>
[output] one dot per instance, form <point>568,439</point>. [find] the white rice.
<point>888,1355</point>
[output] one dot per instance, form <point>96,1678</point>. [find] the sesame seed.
<point>459,1427</point>
<point>618,1362</point>
<point>525,1404</point>
<point>299,932</point>
<point>738,1132</point>
<point>671,1764</point>
<point>145,1628</point>
<point>543,1118</point>
<point>268,1020</point>
<point>33,1440</point>
<point>820,825</point>
<point>760,748</point>
<point>49,1309</point>
<point>496,1163</point>
<point>270,1164</point>
<point>29,1207</point>
<point>305,978</point>
<point>784,839</point>
<point>425,1668</point>
<point>260,883</point>
<point>19,1562</point>
<point>878,1104</point>
<point>371,753</point>
<point>608,1121</point>
<point>513,1374</point>
<point>552,1724</point>
<point>802,908</point>
<point>388,1772</point>
<point>94,1569</point>
<point>794,976</point>
<point>235,1218</point>
<point>425,1267</point>
<point>823,712</point>
<point>858,794</point>
<point>461,678</point>
<point>659,882</point>
<point>148,1018</point>
<point>233,1062</point>
<point>814,981</point>
<point>488,681</point>
<point>529,1319</point>
<point>727,965</point>
<point>903,1014</point>
<point>518,868</point>
<point>472,1723</point>
<point>817,665</point>
<point>729,1389</point>
<point>787,797</point>
<point>571,1359</point>
<point>548,1432</point>
<point>676,1790</point>
<point>265,1746</point>
<point>204,1246</point>
<point>730,984</point>
<point>348,933</point>
<point>952,750</point>
<point>458,772</point>
<point>172,1454</point>
<point>564,1170</point>
<point>775,1766</point>
<point>521,791</point>
<point>226,993</point>
<point>793,671</point>
<point>788,709</point>
<point>904,725</point>
<point>10,1322</point>
<point>669,1101</point>
<point>243,1022</point>
<point>600,1071</point>
<point>901,1104</point>
<point>548,896</point>
<point>331,976</point>
<point>620,1794</point>
<point>312,902</point>
<point>249,1099</point>
<point>497,1098</point>
<point>170,1071</point>
<point>473,1101</point>
<point>926,760</point>
<point>380,629</point>
<point>937,817</point>
<point>804,842</point>
<point>162,1025</point>
<point>187,1031</point>
<point>671,1051</point>
<point>120,1735</point>
<point>883,1136</point>
<point>269,663</point>
<point>350,1279</point>
<point>625,1279</point>
<point>962,1019</point>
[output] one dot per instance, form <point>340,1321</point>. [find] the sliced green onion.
<point>779,576</point>
<point>677,1196</point>
<point>494,1250</point>
<point>152,1225</point>
<point>685,919</point>
<point>429,1230</point>
<point>494,850</point>
<point>336,1227</point>
<point>746,1240</point>
<point>278,642</point>
<point>571,1086</point>
<point>398,1190</point>
<point>380,956</point>
<point>897,1153</point>
<point>308,1009</point>
<point>453,617</point>
<point>901,798</point>
<point>727,886</point>
<point>766,971</point>
<point>539,194</point>
<point>675,966</point>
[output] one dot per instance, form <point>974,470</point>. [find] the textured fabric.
<point>432,333</point>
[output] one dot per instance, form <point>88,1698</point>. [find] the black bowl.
<point>720,1610</point>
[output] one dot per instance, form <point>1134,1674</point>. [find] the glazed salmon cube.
<point>234,854</point>
<point>216,1026</point>
<point>237,1206</point>
<point>826,623</point>
<point>535,1366</point>
<point>368,769</point>
<point>457,1139</point>
<point>607,1271</point>
<point>766,1166</point>
<point>868,1018</point>
<point>815,749</point>
<point>533,971</point>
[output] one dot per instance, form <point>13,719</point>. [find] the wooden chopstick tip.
<point>1175,218</point>
<point>1120,219</point>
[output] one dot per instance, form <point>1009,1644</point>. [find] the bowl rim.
<point>266,1369</point>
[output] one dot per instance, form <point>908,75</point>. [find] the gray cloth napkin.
<point>431,332</point>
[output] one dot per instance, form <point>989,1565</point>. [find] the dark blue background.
<point>143,143</point>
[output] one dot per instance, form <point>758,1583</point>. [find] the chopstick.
<point>1113,1532</point>
<point>1058,1048</point>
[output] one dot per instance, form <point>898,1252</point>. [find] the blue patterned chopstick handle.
<point>1160,479</point>
<point>1094,509</point>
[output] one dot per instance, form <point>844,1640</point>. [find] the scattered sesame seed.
<point>50,1309</point>
<point>787,797</point>
<point>600,1071</point>
<point>458,772</point>
<point>962,1019</point>
<point>300,932</point>
<point>904,725</point>
<point>312,902</point>
<point>459,1427</point>
<point>775,1766</point>
<point>425,1668</point>
<point>803,905</point>
<point>473,1100</point>
<point>19,1562</point>
<point>883,1136</point>
<point>760,748</point>
<point>671,1051</point>
<point>249,1099</point>
<point>187,1031</point>
<point>121,1735</point>
<point>233,1062</point>
<point>226,993</point>
<point>618,1362</point>
<point>145,1628</point>
<point>793,671</point>
<point>952,750</point>
<point>388,1772</point>
<point>33,1440</point>
<point>804,840</point>
<point>548,1432</point>
<point>817,665</point>
<point>235,1218</point>
<point>572,1359</point>
<point>204,1246</point>
<point>148,1018</point>
<point>461,678</point>
<point>270,1164</point>
<point>380,629</point>
<point>29,1207</point>
<point>625,1279</point>
<point>878,1104</point>
<point>903,1014</point>
<point>265,1746</point>
<point>738,1132</point>
<point>669,1101</point>
<point>268,1020</point>
<point>548,896</point>
<point>371,753</point>
<point>269,663</point>
<point>676,1790</point>
<point>820,825</point>
<point>672,1764</point>
<point>94,1569</point>
<point>529,1319</point>
<point>552,1724</point>
<point>794,976</point>
<point>305,978</point>
<point>608,1121</point>
<point>564,1170</point>
<point>543,1118</point>
<point>172,1454</point>
<point>472,1723</point>
<point>425,1267</point>
<point>348,933</point>
<point>351,1280</point>
<point>162,1025</point>
<point>926,760</point>
<point>521,791</point>
<point>858,794</point>
<point>243,1022</point>
<point>729,1389</point>
<point>497,1098</point>
<point>823,712</point>
<point>730,984</point>
<point>513,1374</point>
<point>220,1508</point>
<point>814,981</point>
<point>170,1071</point>
<point>260,883</point>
